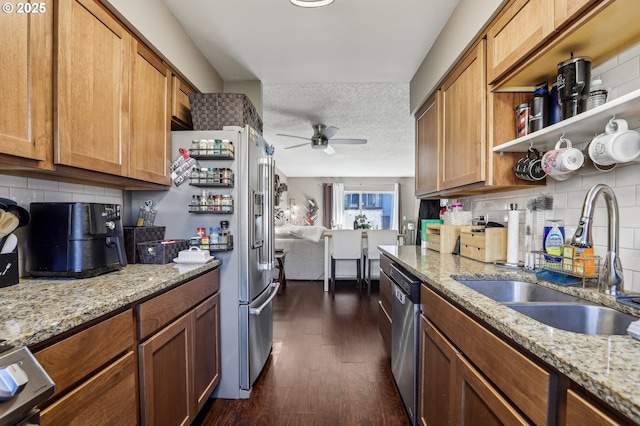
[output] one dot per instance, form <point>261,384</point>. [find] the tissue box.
<point>9,269</point>
<point>134,235</point>
<point>160,252</point>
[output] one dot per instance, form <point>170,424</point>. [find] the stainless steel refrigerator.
<point>246,286</point>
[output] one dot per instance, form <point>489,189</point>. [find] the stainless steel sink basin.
<point>576,317</point>
<point>518,291</point>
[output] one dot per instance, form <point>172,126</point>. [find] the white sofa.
<point>304,247</point>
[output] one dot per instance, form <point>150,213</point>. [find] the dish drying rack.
<point>567,270</point>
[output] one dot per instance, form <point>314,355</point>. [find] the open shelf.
<point>581,128</point>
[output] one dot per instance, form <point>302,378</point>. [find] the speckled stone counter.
<point>607,366</point>
<point>35,310</point>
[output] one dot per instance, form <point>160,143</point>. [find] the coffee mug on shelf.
<point>617,144</point>
<point>560,162</point>
<point>529,167</point>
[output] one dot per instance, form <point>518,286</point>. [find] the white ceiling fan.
<point>322,136</point>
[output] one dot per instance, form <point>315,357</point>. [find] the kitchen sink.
<point>577,317</point>
<point>517,291</point>
<point>554,308</point>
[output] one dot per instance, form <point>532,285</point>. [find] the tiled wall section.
<point>25,191</point>
<point>621,75</point>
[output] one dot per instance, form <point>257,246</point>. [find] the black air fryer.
<point>76,240</point>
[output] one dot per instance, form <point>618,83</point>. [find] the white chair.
<point>371,253</point>
<point>346,245</point>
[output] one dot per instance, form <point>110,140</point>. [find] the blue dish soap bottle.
<point>553,243</point>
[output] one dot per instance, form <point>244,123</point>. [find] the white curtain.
<point>395,218</point>
<point>337,214</point>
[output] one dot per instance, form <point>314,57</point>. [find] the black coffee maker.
<point>76,240</point>
<point>574,77</point>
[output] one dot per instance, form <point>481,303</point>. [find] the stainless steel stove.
<point>23,385</point>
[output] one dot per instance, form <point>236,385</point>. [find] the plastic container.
<point>597,95</point>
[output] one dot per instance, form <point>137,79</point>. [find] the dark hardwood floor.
<point>327,367</point>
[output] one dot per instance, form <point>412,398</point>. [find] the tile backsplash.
<point>25,191</point>
<point>620,75</point>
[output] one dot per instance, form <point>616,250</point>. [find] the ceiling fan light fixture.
<point>311,3</point>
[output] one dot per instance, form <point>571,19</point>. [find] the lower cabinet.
<point>96,376</point>
<point>467,371</point>
<point>179,358</point>
<point>384,304</point>
<point>581,411</point>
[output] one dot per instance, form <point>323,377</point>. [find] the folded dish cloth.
<point>634,329</point>
<point>309,233</point>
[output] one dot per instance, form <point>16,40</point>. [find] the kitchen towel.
<point>513,235</point>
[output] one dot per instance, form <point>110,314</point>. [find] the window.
<point>376,207</point>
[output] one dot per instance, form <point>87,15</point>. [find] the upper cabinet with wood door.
<point>26,85</point>
<point>428,134</point>
<point>464,103</point>
<point>180,105</point>
<point>93,62</point>
<point>149,125</point>
<point>522,27</point>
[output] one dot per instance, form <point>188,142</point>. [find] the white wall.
<point>621,75</point>
<point>302,189</point>
<point>468,19</point>
<point>153,23</point>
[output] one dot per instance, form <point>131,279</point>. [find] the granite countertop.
<point>606,366</point>
<point>36,309</point>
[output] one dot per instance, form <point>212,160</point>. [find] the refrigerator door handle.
<point>275,286</point>
<point>274,292</point>
<point>267,258</point>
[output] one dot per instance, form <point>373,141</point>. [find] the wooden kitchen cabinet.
<point>26,49</point>
<point>438,386</point>
<point>166,374</point>
<point>93,63</point>
<point>522,27</point>
<point>428,135</point>
<point>149,123</point>
<point>463,150</point>
<point>179,350</point>
<point>491,371</point>
<point>480,402</point>
<point>95,372</point>
<point>207,368</point>
<point>112,97</point>
<point>384,304</point>
<point>581,411</point>
<point>180,105</point>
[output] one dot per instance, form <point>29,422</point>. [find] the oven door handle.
<point>274,292</point>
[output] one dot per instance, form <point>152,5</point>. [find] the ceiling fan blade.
<point>293,136</point>
<point>329,150</point>
<point>297,146</point>
<point>348,141</point>
<point>330,132</point>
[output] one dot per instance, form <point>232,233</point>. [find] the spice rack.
<point>582,268</point>
<point>211,204</point>
<point>212,149</point>
<point>212,177</point>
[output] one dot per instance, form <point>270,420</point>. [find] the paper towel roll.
<point>513,237</point>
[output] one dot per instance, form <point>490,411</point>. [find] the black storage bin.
<point>159,252</point>
<point>134,235</point>
<point>213,111</point>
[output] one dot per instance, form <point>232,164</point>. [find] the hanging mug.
<point>617,144</point>
<point>528,167</point>
<point>560,162</point>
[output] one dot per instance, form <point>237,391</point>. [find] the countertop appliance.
<point>23,385</point>
<point>77,240</point>
<point>405,314</point>
<point>246,287</point>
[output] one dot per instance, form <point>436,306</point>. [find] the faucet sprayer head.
<point>582,236</point>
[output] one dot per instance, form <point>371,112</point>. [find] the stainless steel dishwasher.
<point>405,312</point>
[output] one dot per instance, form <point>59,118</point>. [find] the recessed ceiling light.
<point>311,3</point>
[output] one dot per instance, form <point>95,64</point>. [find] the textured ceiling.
<point>378,112</point>
<point>346,65</point>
